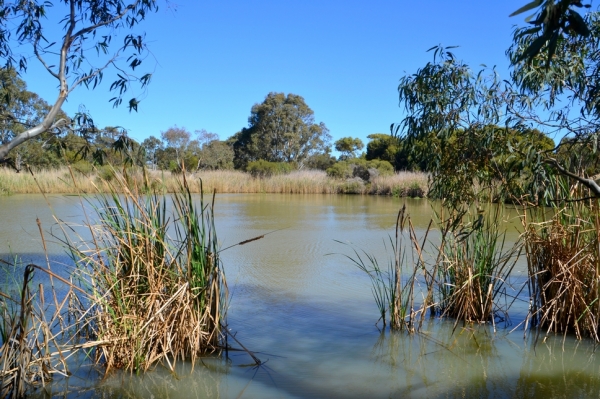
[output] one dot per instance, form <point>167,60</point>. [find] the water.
<point>309,314</point>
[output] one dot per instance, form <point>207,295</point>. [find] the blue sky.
<point>212,60</point>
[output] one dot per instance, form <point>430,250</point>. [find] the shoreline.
<point>65,181</point>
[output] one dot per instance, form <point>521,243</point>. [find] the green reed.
<point>473,267</point>
<point>393,286</point>
<point>153,271</point>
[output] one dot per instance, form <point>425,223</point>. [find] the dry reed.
<point>564,267</point>
<point>150,289</point>
<point>154,298</point>
<point>473,268</point>
<point>402,184</point>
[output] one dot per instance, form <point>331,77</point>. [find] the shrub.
<point>262,168</point>
<point>83,167</point>
<point>106,172</point>
<point>340,170</point>
<point>353,186</point>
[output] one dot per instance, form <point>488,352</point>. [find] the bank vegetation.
<point>93,180</point>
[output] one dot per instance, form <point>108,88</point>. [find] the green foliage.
<point>320,161</point>
<point>559,90</point>
<point>457,128</point>
<point>106,172</point>
<point>27,32</point>
<point>281,129</point>
<point>216,155</point>
<point>340,170</point>
<point>354,185</point>
<point>554,21</point>
<point>348,147</point>
<point>383,146</point>
<point>83,167</point>
<point>262,168</point>
<point>361,168</point>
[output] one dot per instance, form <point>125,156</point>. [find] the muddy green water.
<point>310,316</point>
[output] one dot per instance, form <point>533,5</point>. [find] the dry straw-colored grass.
<point>402,184</point>
<point>564,270</point>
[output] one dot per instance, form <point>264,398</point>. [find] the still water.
<point>309,314</point>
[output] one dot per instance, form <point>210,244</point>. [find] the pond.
<point>308,314</point>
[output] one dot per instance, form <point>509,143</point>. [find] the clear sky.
<point>212,60</point>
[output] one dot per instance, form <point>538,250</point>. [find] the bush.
<point>384,168</point>
<point>353,186</point>
<point>106,172</point>
<point>83,167</point>
<point>174,167</point>
<point>340,170</point>
<point>262,168</point>
<point>366,170</point>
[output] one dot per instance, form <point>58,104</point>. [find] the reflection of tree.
<point>441,362</point>
<point>558,367</point>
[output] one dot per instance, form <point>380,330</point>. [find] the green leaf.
<point>527,7</point>
<point>534,48</point>
<point>529,31</point>
<point>551,48</point>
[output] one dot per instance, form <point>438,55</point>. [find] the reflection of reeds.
<point>154,298</point>
<point>564,264</point>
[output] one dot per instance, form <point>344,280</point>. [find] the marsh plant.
<point>31,331</point>
<point>464,277</point>
<point>473,268</point>
<point>562,247</point>
<point>154,277</point>
<point>393,286</point>
<point>146,287</point>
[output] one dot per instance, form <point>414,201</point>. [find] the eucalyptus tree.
<point>466,127</point>
<point>348,147</point>
<point>552,21</point>
<point>79,55</point>
<point>178,139</point>
<point>280,129</point>
<point>560,91</point>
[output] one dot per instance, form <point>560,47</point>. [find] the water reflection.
<point>311,317</point>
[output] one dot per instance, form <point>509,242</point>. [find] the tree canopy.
<point>280,129</point>
<point>348,147</point>
<point>79,55</point>
<point>471,129</point>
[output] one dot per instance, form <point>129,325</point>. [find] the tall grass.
<point>157,291</point>
<point>474,267</point>
<point>90,181</point>
<point>149,288</point>
<point>464,277</point>
<point>394,287</point>
<point>31,332</point>
<point>563,257</point>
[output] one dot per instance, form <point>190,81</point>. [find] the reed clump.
<point>562,247</point>
<point>394,287</point>
<point>473,268</point>
<point>156,288</point>
<point>149,287</point>
<point>464,277</point>
<point>31,332</point>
